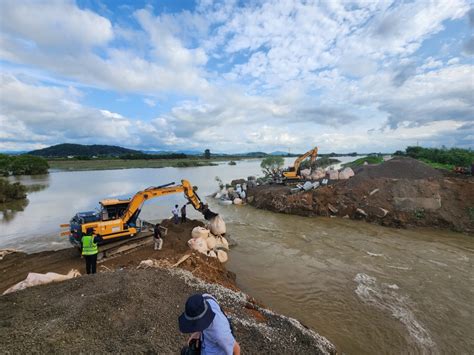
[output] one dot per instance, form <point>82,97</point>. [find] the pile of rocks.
<point>236,193</point>
<point>331,174</point>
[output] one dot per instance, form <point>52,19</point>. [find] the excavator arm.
<point>152,192</point>
<point>313,153</point>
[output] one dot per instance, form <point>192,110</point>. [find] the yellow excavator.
<point>117,219</point>
<point>293,172</point>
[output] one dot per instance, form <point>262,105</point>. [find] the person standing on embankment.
<point>183,214</point>
<point>90,249</point>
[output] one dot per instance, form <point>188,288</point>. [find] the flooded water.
<point>368,289</point>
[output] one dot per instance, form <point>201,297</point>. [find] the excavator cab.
<point>113,208</point>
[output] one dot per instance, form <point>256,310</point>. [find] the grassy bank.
<point>108,164</point>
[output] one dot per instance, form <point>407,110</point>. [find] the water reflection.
<point>10,209</point>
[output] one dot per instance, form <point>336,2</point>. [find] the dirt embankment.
<point>399,193</point>
<point>129,310</point>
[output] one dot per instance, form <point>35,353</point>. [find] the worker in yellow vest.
<point>90,249</point>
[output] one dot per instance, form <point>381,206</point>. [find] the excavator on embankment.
<point>293,172</point>
<point>117,221</point>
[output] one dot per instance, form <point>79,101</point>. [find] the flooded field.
<point>366,288</point>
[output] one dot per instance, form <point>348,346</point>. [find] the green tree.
<point>11,191</point>
<point>207,154</point>
<point>28,165</point>
<point>272,165</point>
<point>5,162</point>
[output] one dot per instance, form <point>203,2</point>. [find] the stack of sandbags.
<point>318,174</point>
<point>333,174</point>
<point>217,226</point>
<point>305,173</point>
<point>199,239</point>
<point>346,173</point>
<point>200,232</point>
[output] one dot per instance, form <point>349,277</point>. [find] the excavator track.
<point>110,250</point>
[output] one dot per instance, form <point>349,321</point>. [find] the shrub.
<point>28,165</point>
<point>11,191</point>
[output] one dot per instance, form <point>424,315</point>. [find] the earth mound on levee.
<point>136,311</point>
<point>400,192</point>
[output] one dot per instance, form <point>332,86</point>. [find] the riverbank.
<point>110,164</point>
<point>401,192</point>
<point>125,309</point>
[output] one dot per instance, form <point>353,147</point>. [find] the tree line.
<point>22,165</point>
<point>453,156</point>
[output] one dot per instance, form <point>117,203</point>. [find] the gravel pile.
<point>136,312</point>
<point>398,168</point>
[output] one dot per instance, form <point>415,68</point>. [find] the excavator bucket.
<point>208,214</point>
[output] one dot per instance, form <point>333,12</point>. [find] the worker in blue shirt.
<point>211,330</point>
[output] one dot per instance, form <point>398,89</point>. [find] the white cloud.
<point>263,75</point>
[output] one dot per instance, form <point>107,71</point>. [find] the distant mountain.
<point>279,152</point>
<point>67,149</point>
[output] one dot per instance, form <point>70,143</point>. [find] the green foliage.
<point>5,162</point>
<point>453,156</point>
<point>272,164</point>
<point>140,156</point>
<point>419,213</point>
<point>22,165</point>
<point>207,154</point>
<point>11,191</point>
<point>373,159</point>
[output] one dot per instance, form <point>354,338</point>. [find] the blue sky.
<point>237,76</point>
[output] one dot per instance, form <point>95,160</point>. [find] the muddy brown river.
<point>368,289</point>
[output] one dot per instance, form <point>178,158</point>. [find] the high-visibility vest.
<point>88,245</point>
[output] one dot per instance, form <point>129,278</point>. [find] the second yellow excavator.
<point>293,172</point>
<point>118,218</point>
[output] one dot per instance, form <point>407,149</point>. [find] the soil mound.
<point>401,192</point>
<point>136,311</point>
<point>397,168</point>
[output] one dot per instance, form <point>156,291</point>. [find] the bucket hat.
<point>197,315</point>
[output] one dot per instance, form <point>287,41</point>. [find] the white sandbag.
<point>307,186</point>
<point>237,201</point>
<point>212,254</point>
<point>221,242</point>
<point>333,174</point>
<point>217,226</point>
<point>34,279</point>
<point>305,173</point>
<point>243,195</point>
<point>318,174</point>
<point>200,232</point>
<point>222,256</point>
<point>346,173</point>
<point>211,242</point>
<point>198,244</point>
<point>218,195</point>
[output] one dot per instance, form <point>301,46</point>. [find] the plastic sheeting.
<point>35,279</point>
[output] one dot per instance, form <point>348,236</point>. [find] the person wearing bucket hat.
<point>211,329</point>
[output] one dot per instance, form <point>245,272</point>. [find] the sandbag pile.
<point>211,244</point>
<point>233,195</point>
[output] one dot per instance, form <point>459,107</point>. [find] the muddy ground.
<point>401,192</point>
<point>130,310</point>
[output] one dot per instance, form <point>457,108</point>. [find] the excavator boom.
<point>293,172</point>
<point>124,224</point>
